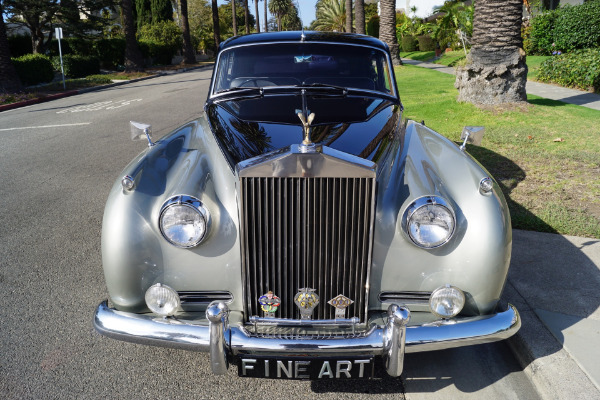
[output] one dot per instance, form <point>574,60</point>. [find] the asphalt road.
<point>58,161</point>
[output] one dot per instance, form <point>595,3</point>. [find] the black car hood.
<point>246,128</point>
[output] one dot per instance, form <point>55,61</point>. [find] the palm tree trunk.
<point>496,72</point>
<point>134,61</point>
<point>246,17</point>
<point>359,15</point>
<point>257,17</point>
<point>266,18</point>
<point>387,28</point>
<point>215,18</point>
<point>9,80</point>
<point>189,56</point>
<point>349,16</point>
<point>234,17</point>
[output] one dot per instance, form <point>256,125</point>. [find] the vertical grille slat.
<point>306,232</point>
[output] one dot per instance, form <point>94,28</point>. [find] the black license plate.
<point>306,368</point>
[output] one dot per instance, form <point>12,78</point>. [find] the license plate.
<point>306,368</point>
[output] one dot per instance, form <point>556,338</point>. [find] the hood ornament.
<point>340,302</point>
<point>307,128</point>
<point>269,303</point>
<point>306,117</point>
<point>306,300</point>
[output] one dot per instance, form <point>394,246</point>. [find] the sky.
<point>307,8</point>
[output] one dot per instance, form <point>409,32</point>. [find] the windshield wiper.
<point>240,89</point>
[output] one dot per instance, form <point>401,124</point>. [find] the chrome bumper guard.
<point>222,341</point>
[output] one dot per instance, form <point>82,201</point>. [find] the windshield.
<point>304,64</point>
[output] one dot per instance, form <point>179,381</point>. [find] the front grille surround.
<point>307,221</point>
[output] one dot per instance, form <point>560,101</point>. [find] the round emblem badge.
<point>269,302</point>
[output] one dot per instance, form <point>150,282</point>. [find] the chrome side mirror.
<point>141,131</point>
<point>473,135</point>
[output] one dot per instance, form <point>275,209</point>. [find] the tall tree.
<point>279,8</point>
<point>189,55</point>
<point>330,16</point>
<point>349,16</point>
<point>246,17</point>
<point>162,10</point>
<point>496,72</point>
<point>387,28</point>
<point>359,14</point>
<point>35,15</point>
<point>133,56</point>
<point>215,18</point>
<point>257,16</point>
<point>9,80</point>
<point>266,16</point>
<point>233,18</point>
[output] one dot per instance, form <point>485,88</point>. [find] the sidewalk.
<point>571,96</point>
<point>553,281</point>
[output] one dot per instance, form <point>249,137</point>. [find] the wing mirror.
<point>473,135</point>
<point>141,131</point>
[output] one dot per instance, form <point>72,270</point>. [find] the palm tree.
<point>233,17</point>
<point>496,72</point>
<point>279,8</point>
<point>246,17</point>
<point>134,61</point>
<point>9,80</point>
<point>266,17</point>
<point>359,14</point>
<point>387,28</point>
<point>349,16</point>
<point>189,56</point>
<point>330,16</point>
<point>215,18</point>
<point>257,17</point>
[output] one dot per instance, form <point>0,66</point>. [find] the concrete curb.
<point>11,106</point>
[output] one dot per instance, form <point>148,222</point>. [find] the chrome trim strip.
<point>387,56</point>
<point>304,322</point>
<point>174,333</point>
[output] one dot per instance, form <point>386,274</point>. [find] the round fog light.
<point>162,300</point>
<point>446,301</point>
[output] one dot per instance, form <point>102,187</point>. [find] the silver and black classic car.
<point>301,228</point>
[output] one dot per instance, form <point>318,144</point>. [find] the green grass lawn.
<point>533,64</point>
<point>545,155</point>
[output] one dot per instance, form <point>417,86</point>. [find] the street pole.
<point>59,35</point>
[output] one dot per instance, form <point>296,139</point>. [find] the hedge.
<point>409,43</point>
<point>578,27</point>
<point>578,69</point>
<point>33,69</point>
<point>565,29</point>
<point>77,66</point>
<point>160,41</point>
<point>110,52</point>
<point>426,43</point>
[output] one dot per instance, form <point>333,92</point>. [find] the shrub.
<point>541,34</point>
<point>110,52</point>
<point>373,26</point>
<point>160,41</point>
<point>77,66</point>
<point>20,45</point>
<point>409,43</point>
<point>426,43</point>
<point>579,69</point>
<point>71,45</point>
<point>34,68</point>
<point>578,27</point>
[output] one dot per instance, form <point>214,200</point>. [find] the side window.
<point>382,73</point>
<point>225,71</point>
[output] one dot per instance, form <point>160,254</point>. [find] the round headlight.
<point>429,222</point>
<point>183,221</point>
<point>446,301</point>
<point>162,300</point>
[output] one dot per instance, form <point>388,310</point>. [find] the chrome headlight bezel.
<point>195,205</point>
<point>426,201</point>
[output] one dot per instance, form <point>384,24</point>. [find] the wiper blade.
<point>325,86</point>
<point>240,89</point>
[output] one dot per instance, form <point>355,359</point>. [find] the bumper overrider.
<point>225,341</point>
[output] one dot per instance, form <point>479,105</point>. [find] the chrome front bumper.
<point>216,336</point>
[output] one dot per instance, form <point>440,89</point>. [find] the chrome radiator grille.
<point>307,233</point>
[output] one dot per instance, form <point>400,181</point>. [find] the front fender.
<point>134,253</point>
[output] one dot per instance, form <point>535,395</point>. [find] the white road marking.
<point>102,105</point>
<point>43,126</point>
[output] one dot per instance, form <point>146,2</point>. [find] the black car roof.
<point>309,36</point>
